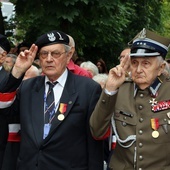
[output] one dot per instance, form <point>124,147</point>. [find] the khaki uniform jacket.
<point>132,111</point>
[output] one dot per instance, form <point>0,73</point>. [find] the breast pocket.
<point>125,123</point>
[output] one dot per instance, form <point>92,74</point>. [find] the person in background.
<point>22,47</point>
<point>54,134</point>
<point>4,50</point>
<point>31,72</point>
<point>101,78</point>
<point>72,66</point>
<point>9,62</point>
<point>90,67</point>
<point>126,52</point>
<point>79,60</point>
<point>102,66</point>
<point>14,137</point>
<point>138,111</point>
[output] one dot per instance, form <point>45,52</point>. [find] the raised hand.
<point>117,74</point>
<point>24,61</point>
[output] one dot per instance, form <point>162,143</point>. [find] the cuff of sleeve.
<point>110,93</point>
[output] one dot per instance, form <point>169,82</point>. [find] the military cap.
<point>52,37</point>
<point>148,43</point>
<point>4,43</point>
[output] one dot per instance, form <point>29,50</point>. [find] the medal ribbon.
<point>63,108</point>
<point>155,123</point>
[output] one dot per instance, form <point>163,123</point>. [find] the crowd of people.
<point>59,111</point>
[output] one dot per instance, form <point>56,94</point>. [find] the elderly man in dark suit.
<point>56,135</point>
<point>4,49</point>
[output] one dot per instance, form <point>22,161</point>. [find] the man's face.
<point>144,70</point>
<point>2,57</point>
<point>53,60</point>
<point>124,53</point>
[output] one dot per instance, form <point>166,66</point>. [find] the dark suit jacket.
<point>3,121</point>
<point>69,145</point>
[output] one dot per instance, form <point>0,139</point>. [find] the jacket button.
<point>140,145</point>
<point>141,95</point>
<point>140,157</point>
<point>141,119</point>
<point>140,107</point>
<point>140,132</point>
<point>103,101</point>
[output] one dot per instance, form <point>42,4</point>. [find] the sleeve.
<point>8,89</point>
<point>100,120</point>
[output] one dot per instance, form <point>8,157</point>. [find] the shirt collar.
<point>61,80</point>
<point>153,88</point>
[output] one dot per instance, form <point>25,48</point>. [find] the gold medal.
<point>155,134</point>
<point>61,117</point>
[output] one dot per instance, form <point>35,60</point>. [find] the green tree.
<point>2,30</point>
<point>101,28</point>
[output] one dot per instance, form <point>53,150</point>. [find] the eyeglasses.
<point>54,54</point>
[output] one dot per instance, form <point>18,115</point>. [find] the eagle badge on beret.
<point>51,37</point>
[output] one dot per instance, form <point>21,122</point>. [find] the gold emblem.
<point>61,117</point>
<point>155,134</point>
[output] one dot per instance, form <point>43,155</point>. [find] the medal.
<point>61,117</point>
<point>155,127</point>
<point>155,134</point>
<point>153,102</point>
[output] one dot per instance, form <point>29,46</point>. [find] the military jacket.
<point>143,115</point>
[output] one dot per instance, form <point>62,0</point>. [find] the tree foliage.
<point>101,28</point>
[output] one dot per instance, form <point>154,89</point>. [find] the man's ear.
<point>162,68</point>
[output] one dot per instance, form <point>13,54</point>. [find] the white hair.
<point>88,65</point>
<point>100,78</point>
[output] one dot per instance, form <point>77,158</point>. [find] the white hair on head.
<point>102,77</point>
<point>90,66</point>
<point>71,41</point>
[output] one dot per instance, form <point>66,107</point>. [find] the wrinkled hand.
<point>24,61</point>
<point>117,74</point>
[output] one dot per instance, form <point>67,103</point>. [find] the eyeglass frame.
<point>51,54</point>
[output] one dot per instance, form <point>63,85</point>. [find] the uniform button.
<point>124,118</point>
<point>140,107</point>
<point>124,123</point>
<point>103,101</point>
<point>140,132</point>
<point>140,145</point>
<point>140,157</point>
<point>141,119</point>
<point>141,95</point>
<point>140,168</point>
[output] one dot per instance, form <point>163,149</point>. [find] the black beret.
<point>4,43</point>
<point>52,37</point>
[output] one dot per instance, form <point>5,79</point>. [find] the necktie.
<point>50,102</point>
<point>49,109</point>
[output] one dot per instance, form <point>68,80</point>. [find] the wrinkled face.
<point>2,57</point>
<point>53,60</point>
<point>144,70</point>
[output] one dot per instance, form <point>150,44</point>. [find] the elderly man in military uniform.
<point>137,112</point>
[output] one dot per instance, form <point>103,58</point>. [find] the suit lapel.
<point>38,110</point>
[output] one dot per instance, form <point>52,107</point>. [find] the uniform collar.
<point>153,88</point>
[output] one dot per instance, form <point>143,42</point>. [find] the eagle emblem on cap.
<point>51,37</point>
<point>142,34</point>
